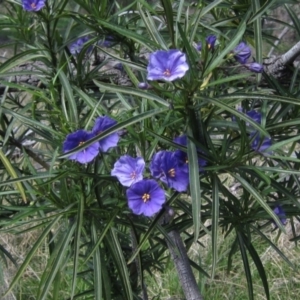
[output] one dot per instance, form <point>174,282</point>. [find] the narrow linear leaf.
<point>132,91</point>
<point>96,263</point>
<point>11,171</point>
<point>57,263</point>
<point>31,253</point>
<point>258,264</point>
<point>259,199</point>
<point>119,260</point>
<point>70,97</point>
<point>246,265</point>
<point>76,244</point>
<point>194,185</point>
<point>215,222</point>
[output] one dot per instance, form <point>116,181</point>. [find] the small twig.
<point>29,152</point>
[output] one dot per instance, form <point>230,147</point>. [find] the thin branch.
<point>29,152</point>
<point>181,261</point>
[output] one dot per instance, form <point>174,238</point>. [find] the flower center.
<point>172,172</point>
<point>133,175</point>
<point>33,5</point>
<point>80,143</point>
<point>167,72</point>
<point>146,197</point>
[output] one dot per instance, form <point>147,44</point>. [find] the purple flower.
<point>128,170</point>
<point>255,67</point>
<point>33,5</point>
<point>198,46</point>
<point>76,139</point>
<point>108,41</point>
<point>167,65</point>
<point>242,52</point>
<point>102,124</point>
<point>258,144</point>
<point>77,46</point>
<point>256,116</point>
<point>119,67</point>
<point>210,41</point>
<point>145,197</point>
<point>166,166</point>
<point>280,213</point>
<point>144,86</point>
<point>182,155</point>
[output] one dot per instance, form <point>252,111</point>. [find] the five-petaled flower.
<point>33,5</point>
<point>182,155</point>
<point>77,46</point>
<point>76,139</point>
<point>210,41</point>
<point>102,124</point>
<point>128,170</point>
<point>242,52</point>
<point>255,67</point>
<point>145,197</point>
<point>278,210</point>
<point>166,166</point>
<point>167,65</point>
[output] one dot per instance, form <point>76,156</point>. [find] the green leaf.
<point>67,91</point>
<point>132,91</point>
<point>120,263</point>
<point>258,264</point>
<point>215,222</point>
<point>77,244</point>
<point>167,5</point>
<point>194,185</point>
<point>257,35</point>
<point>281,254</point>
<point>199,16</point>
<point>246,265</point>
<point>56,262</point>
<point>294,17</point>
<point>152,30</point>
<point>31,253</point>
<point>11,171</point>
<point>96,263</point>
<point>253,192</point>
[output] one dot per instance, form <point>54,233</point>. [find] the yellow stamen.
<point>146,197</point>
<point>171,172</point>
<point>167,73</point>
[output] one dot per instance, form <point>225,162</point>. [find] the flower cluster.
<point>33,5</point>
<point>145,196</point>
<point>81,136</point>
<point>242,53</point>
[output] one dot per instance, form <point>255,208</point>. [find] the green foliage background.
<point>80,211</point>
